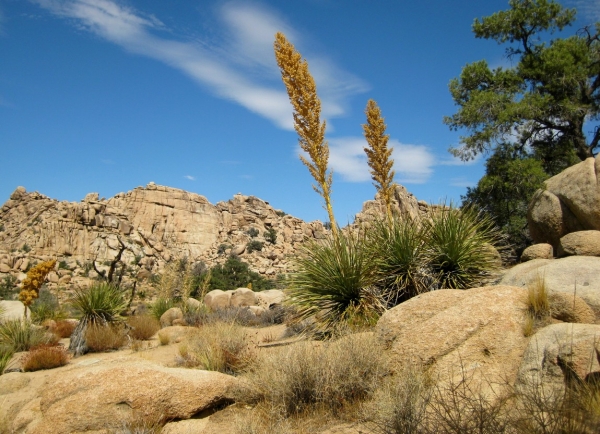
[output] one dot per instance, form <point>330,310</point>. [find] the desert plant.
<point>33,282</point>
<point>399,247</point>
<point>143,327</point>
<point>64,328</point>
<point>538,303</point>
<point>100,304</point>
<point>302,92</point>
<point>378,155</point>
<point>252,232</point>
<point>303,377</point>
<point>8,287</point>
<point>235,273</point>
<point>254,246</point>
<point>21,335</point>
<point>461,246</point>
<point>45,357</point>
<point>45,307</point>
<point>334,281</point>
<point>271,235</point>
<point>217,347</point>
<point>105,337</point>
<point>6,353</point>
<point>160,306</point>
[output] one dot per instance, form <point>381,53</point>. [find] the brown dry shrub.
<point>101,338</point>
<point>64,328</point>
<point>143,327</point>
<point>217,347</point>
<point>45,357</point>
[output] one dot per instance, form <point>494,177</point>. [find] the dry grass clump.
<point>309,377</point>
<point>45,357</point>
<point>64,328</point>
<point>100,338</point>
<point>140,423</point>
<point>537,305</point>
<point>21,335</point>
<point>143,327</point>
<point>217,347</point>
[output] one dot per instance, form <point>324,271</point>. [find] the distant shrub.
<point>46,307</point>
<point>252,232</point>
<point>8,287</point>
<point>62,265</point>
<point>280,213</point>
<point>26,248</point>
<point>45,357</point>
<point>235,273</point>
<point>143,327</point>
<point>222,248</point>
<point>160,306</point>
<point>64,328</point>
<point>271,235</point>
<point>254,246</point>
<point>6,353</point>
<point>100,338</point>
<point>1,227</point>
<point>217,347</point>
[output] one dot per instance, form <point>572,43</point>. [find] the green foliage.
<point>6,353</point>
<point>271,235</point>
<point>236,274</point>
<point>8,287</point>
<point>334,280</point>
<point>160,306</point>
<point>102,302</point>
<point>1,227</point>
<point>545,100</point>
<point>62,265</point>
<point>26,248</point>
<point>504,192</point>
<point>222,248</point>
<point>136,260</point>
<point>254,246</point>
<point>280,213</point>
<point>46,307</point>
<point>460,247</point>
<point>252,232</point>
<point>20,335</point>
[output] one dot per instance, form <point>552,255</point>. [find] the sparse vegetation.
<point>160,306</point>
<point>143,327</point>
<point>64,328</point>
<point>34,281</point>
<point>271,236</point>
<point>105,337</point>
<point>254,246</point>
<point>45,357</point>
<point>46,307</point>
<point>8,287</point>
<point>252,232</point>
<point>21,335</point>
<point>538,308</point>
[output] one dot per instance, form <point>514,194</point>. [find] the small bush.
<point>222,248</point>
<point>163,338</point>
<point>271,235</point>
<point>143,327</point>
<point>62,265</point>
<point>6,353</point>
<point>21,335</point>
<point>64,328</point>
<point>101,338</point>
<point>46,307</point>
<point>252,232</point>
<point>217,347</point>
<point>280,213</point>
<point>45,357</point>
<point>160,306</point>
<point>254,246</point>
<point>8,287</point>
<point>330,376</point>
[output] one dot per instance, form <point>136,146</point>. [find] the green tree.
<point>543,102</point>
<point>504,192</point>
<point>236,274</point>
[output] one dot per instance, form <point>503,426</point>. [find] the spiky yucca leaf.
<point>302,92</point>
<point>379,155</point>
<point>461,246</point>
<point>335,281</point>
<point>399,246</point>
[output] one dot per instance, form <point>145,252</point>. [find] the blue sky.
<point>107,95</point>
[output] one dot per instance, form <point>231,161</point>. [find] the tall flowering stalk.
<point>302,91</point>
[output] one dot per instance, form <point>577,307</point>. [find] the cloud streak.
<point>240,67</point>
<point>190,177</point>
<point>413,163</point>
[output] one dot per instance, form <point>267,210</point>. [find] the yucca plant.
<point>335,281</point>
<point>461,246</point>
<point>20,335</point>
<point>399,247</point>
<point>100,304</point>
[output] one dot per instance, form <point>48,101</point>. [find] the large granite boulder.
<point>476,332</point>
<point>569,202</point>
<point>582,243</point>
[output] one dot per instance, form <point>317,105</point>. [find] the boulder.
<point>567,275</point>
<point>171,315</point>
<point>269,297</point>
<point>568,308</point>
<point>192,303</point>
<point>569,202</point>
<point>13,309</point>
<point>217,299</point>
<point>15,364</point>
<point>582,243</point>
<point>4,268</point>
<point>120,390</point>
<point>174,334</point>
<point>257,310</point>
<point>554,353</point>
<point>476,332</point>
<point>243,297</point>
<point>12,382</point>
<point>537,251</point>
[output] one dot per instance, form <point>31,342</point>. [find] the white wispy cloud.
<point>413,163</point>
<point>455,161</point>
<point>190,177</point>
<point>240,67</point>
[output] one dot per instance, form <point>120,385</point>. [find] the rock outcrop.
<point>569,202</point>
